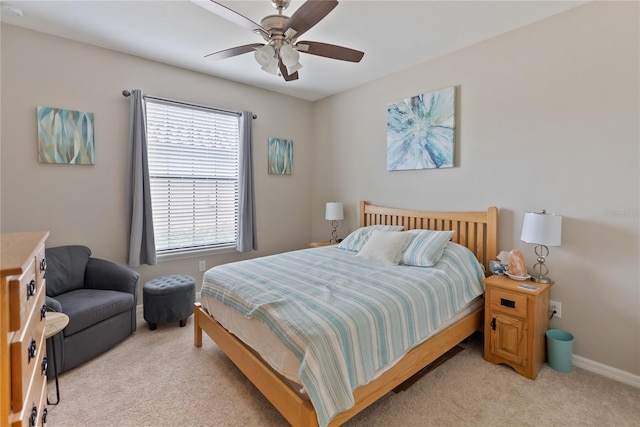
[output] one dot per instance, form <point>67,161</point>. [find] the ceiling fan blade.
<point>330,51</point>
<point>308,15</point>
<point>231,15</point>
<point>234,51</point>
<point>285,74</point>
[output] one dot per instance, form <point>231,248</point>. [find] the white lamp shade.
<point>264,55</point>
<point>289,55</point>
<point>334,211</point>
<point>542,229</point>
<point>293,68</point>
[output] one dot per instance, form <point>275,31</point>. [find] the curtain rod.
<point>126,93</point>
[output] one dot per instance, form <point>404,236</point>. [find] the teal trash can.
<point>559,349</point>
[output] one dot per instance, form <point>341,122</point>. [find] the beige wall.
<point>547,117</point>
<point>87,204</point>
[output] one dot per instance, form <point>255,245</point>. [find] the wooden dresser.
<point>23,356</point>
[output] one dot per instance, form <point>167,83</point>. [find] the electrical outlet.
<point>557,307</point>
<point>202,266</point>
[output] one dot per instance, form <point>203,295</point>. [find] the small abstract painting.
<point>65,136</point>
<point>280,156</point>
<point>421,131</point>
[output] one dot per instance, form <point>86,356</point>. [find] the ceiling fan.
<point>280,54</point>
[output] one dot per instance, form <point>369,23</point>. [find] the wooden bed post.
<point>197,329</point>
<point>492,237</point>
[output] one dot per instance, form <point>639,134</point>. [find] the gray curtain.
<point>141,243</point>
<point>247,237</point>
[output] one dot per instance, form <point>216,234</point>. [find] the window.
<point>193,171</point>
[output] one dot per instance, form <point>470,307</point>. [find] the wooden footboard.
<point>300,412</point>
<point>297,411</point>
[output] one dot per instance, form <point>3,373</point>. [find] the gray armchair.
<point>99,297</point>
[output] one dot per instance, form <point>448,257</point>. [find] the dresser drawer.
<point>27,349</point>
<point>35,411</point>
<point>508,302</point>
<point>22,296</point>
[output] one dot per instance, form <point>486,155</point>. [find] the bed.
<point>476,231</point>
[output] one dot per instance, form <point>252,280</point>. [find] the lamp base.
<point>541,279</point>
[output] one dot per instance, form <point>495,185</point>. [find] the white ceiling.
<point>393,34</point>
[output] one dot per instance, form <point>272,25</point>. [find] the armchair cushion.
<point>86,307</point>
<point>65,268</point>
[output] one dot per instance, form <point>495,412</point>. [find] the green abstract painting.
<point>65,136</point>
<point>280,156</point>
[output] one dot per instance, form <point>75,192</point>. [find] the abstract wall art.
<point>421,131</point>
<point>280,156</point>
<point>65,136</point>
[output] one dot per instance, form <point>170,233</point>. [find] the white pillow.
<point>385,247</point>
<point>427,247</point>
<point>357,238</point>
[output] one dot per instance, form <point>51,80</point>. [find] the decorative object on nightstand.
<point>543,230</point>
<point>334,212</point>
<point>516,320</point>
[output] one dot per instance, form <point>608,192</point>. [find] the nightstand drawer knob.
<point>507,303</point>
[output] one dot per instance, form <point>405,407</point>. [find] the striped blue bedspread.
<point>345,318</point>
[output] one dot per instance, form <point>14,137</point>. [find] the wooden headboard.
<point>478,231</point>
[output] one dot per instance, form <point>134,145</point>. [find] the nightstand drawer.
<point>508,302</point>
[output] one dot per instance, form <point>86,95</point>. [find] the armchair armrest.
<point>102,274</point>
<point>53,304</point>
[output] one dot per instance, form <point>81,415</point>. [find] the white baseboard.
<point>578,361</point>
<point>606,371</point>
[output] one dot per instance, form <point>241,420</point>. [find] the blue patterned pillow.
<point>356,240</point>
<point>426,248</point>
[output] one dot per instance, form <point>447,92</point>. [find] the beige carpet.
<point>158,378</point>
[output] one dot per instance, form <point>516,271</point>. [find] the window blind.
<point>193,169</point>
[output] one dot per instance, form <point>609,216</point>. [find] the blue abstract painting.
<point>65,136</point>
<point>421,131</point>
<point>280,156</point>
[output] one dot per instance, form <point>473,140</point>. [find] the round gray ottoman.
<point>168,299</point>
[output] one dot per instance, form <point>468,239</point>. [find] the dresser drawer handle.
<point>31,289</point>
<point>32,350</point>
<point>43,264</point>
<point>43,311</point>
<point>44,416</point>
<point>44,365</point>
<point>34,416</point>
<point>507,303</point>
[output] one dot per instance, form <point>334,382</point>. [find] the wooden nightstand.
<point>515,323</point>
<point>320,244</point>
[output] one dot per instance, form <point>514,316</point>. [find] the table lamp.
<point>334,212</point>
<point>543,230</point>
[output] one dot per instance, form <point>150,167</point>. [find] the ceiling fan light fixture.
<point>265,55</point>
<point>293,68</point>
<point>271,68</point>
<point>289,55</point>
